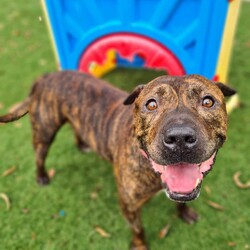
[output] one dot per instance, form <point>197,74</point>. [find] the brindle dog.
<point>167,139</point>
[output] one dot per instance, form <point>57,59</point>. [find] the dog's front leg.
<point>136,184</point>
<point>133,216</point>
<point>186,213</point>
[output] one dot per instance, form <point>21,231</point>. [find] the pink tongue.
<point>181,178</point>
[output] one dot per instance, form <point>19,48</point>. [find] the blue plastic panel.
<point>191,29</point>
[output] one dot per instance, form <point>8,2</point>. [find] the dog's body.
<point>165,129</point>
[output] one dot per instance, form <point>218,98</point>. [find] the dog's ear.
<point>131,98</point>
<point>225,89</point>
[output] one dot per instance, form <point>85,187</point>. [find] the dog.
<point>164,135</point>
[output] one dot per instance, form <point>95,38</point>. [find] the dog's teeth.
<point>197,182</point>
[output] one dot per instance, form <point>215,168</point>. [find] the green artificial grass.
<point>83,194</point>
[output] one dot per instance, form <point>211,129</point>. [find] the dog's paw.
<point>84,148</point>
<point>187,214</point>
<point>141,247</point>
<point>43,180</point>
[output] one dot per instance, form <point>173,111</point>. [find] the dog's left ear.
<point>225,89</point>
<point>131,98</point>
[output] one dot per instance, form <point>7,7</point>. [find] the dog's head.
<point>180,123</point>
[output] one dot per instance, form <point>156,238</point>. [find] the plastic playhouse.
<point>178,36</point>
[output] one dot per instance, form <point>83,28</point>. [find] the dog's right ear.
<point>131,98</point>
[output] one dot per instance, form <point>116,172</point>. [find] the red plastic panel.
<point>127,45</point>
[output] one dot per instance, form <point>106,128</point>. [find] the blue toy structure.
<point>189,31</point>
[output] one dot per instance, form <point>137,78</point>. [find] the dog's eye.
<point>151,105</point>
<point>208,102</point>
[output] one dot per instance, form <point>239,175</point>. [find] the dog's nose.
<point>180,138</point>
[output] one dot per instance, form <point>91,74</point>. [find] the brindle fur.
<point>101,122</point>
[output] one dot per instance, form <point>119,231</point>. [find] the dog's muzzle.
<point>182,181</point>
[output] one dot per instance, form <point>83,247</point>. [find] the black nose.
<point>180,138</point>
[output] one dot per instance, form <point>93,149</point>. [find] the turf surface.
<point>83,194</point>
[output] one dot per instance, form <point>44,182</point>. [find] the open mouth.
<point>182,181</point>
